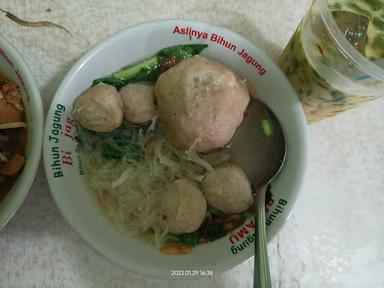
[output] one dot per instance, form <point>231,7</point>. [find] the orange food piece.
<point>175,249</point>
<point>9,114</point>
<point>13,166</point>
<point>12,96</point>
<point>9,86</point>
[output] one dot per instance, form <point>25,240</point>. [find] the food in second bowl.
<point>12,134</point>
<point>327,81</point>
<point>154,142</point>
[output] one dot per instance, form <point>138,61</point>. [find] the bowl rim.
<point>15,198</point>
<point>365,65</point>
<point>70,76</point>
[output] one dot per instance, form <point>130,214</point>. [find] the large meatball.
<point>201,100</point>
<point>183,206</point>
<point>138,102</point>
<point>228,189</point>
<point>99,108</point>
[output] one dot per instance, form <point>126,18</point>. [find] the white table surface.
<point>334,237</point>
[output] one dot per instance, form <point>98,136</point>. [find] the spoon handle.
<point>262,278</point>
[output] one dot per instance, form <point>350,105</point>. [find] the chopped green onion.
<point>267,127</point>
<point>190,239</point>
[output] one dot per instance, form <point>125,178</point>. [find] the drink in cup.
<point>334,59</point>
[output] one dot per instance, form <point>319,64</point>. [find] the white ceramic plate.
<point>69,187</point>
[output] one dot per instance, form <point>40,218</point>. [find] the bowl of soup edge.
<point>14,68</point>
<point>68,184</point>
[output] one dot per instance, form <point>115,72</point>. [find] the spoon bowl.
<point>260,135</point>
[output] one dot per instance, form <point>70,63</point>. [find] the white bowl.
<point>69,187</point>
<point>14,68</point>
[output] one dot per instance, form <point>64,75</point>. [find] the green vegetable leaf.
<point>247,215</point>
<point>87,139</point>
<point>378,43</point>
<point>131,71</point>
<point>335,6</point>
<point>190,239</point>
<point>173,238</point>
<point>150,68</point>
<point>181,52</point>
<point>375,4</point>
<point>360,10</point>
<point>378,23</point>
<point>121,142</point>
<point>214,211</point>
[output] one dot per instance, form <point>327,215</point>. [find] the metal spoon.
<point>259,149</point>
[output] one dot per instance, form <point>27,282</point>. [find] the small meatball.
<point>228,189</point>
<point>99,108</point>
<point>201,99</point>
<point>138,102</point>
<point>183,206</point>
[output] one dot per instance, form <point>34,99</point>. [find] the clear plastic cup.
<point>328,73</point>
